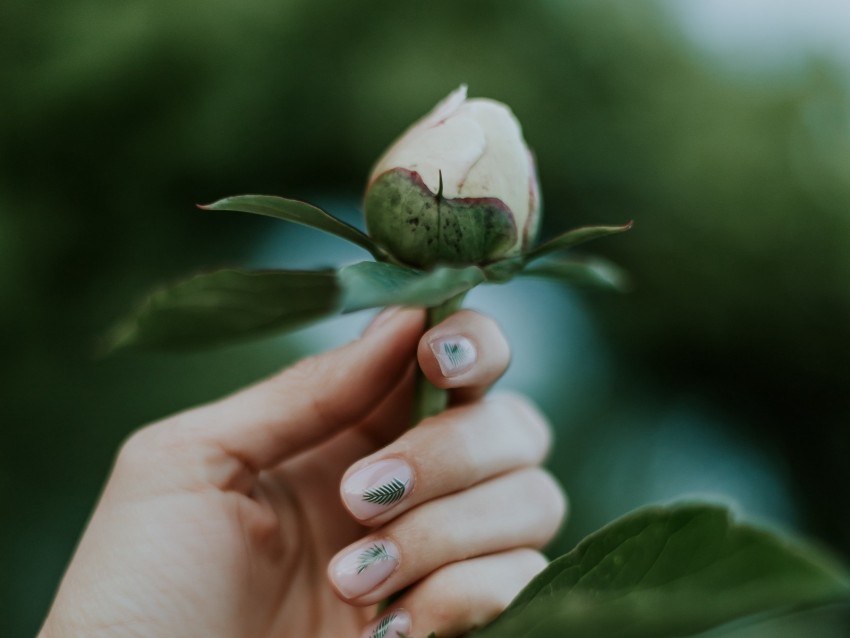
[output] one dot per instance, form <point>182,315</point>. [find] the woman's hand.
<point>231,519</point>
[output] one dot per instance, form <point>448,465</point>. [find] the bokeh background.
<point>721,127</point>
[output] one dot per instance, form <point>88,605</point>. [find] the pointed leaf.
<point>574,238</point>
<point>373,284</point>
<point>587,271</point>
<point>670,571</point>
<point>227,305</point>
<point>293,210</point>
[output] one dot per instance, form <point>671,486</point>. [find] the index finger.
<point>312,400</point>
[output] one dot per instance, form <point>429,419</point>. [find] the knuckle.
<point>145,448</point>
<point>462,601</point>
<point>136,453</point>
<point>552,501</point>
<point>530,421</point>
<point>529,563</point>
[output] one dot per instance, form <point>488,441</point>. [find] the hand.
<point>225,519</point>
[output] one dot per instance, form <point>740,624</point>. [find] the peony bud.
<point>459,187</point>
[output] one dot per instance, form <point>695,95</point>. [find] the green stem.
<point>428,399</point>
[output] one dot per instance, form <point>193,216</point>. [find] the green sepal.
<point>371,284</point>
<point>670,571</point>
<point>226,305</point>
<point>293,210</point>
<point>574,238</point>
<point>423,229</point>
<point>594,272</point>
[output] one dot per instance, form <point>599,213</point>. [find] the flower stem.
<point>428,399</point>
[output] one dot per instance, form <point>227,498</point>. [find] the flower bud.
<point>459,187</point>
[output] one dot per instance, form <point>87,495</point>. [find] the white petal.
<point>452,147</point>
<point>444,109</point>
<point>503,171</point>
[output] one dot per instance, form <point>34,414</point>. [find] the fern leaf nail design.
<point>369,491</point>
<point>387,494</point>
<point>375,554</point>
<point>383,627</point>
<point>455,355</point>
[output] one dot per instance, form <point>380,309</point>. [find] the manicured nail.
<point>454,354</point>
<point>362,569</point>
<point>396,623</point>
<point>377,487</point>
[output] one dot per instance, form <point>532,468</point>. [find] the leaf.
<point>225,305</point>
<point>670,571</point>
<point>293,210</point>
<point>504,270</point>
<point>586,271</point>
<point>372,555</point>
<point>373,284</point>
<point>387,494</point>
<point>574,238</point>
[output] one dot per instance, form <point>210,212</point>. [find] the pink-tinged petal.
<point>444,109</point>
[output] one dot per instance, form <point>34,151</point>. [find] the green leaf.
<point>293,210</point>
<point>225,305</point>
<point>373,284</point>
<point>504,270</point>
<point>670,571</point>
<point>574,238</point>
<point>585,271</point>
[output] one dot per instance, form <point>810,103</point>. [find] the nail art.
<point>362,569</point>
<point>394,624</point>
<point>386,494</point>
<point>454,354</point>
<point>374,554</point>
<point>377,487</point>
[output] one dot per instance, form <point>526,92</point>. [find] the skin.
<point>223,520</point>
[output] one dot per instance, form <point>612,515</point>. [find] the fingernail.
<point>381,318</point>
<point>394,624</point>
<point>377,487</point>
<point>454,354</point>
<point>362,569</point>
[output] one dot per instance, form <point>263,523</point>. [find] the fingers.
<point>466,353</point>
<point>319,396</point>
<point>460,597</point>
<point>481,351</point>
<point>312,400</point>
<point>445,454</point>
<point>515,510</point>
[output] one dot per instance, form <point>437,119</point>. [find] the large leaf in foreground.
<point>293,210</point>
<point>228,304</point>
<point>373,284</point>
<point>664,572</point>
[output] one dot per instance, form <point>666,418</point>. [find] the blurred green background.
<point>725,372</point>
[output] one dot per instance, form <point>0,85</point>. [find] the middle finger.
<point>446,453</point>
